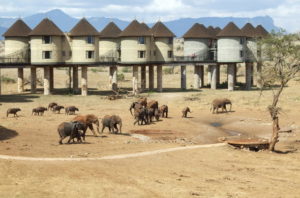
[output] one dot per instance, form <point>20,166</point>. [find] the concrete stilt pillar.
<point>209,74</point>
<point>259,82</point>
<point>51,78</point>
<point>218,73</point>
<point>20,80</point>
<point>196,77</point>
<point>235,74</point>
<point>151,77</point>
<point>249,70</point>
<point>159,78</point>
<point>46,80</point>
<point>0,83</point>
<point>33,79</point>
<point>84,80</point>
<point>135,77</point>
<point>75,79</point>
<point>143,77</point>
<point>113,78</point>
<point>230,71</point>
<point>213,84</point>
<point>183,77</point>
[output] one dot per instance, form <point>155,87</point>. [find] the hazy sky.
<point>286,13</point>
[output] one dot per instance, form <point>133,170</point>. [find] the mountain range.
<point>65,22</point>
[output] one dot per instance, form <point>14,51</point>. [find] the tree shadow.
<point>14,98</point>
<point>6,133</point>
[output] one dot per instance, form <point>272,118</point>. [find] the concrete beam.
<point>151,77</point>
<point>33,80</point>
<point>213,84</point>
<point>231,71</point>
<point>46,80</point>
<point>20,80</point>
<point>143,78</point>
<point>135,78</point>
<point>183,77</point>
<point>159,78</point>
<point>84,80</point>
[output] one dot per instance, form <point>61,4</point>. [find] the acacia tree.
<point>282,64</point>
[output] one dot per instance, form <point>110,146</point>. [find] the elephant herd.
<point>143,112</point>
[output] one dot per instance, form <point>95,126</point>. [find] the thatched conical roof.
<point>249,31</point>
<point>18,29</point>
<point>231,30</point>
<point>198,31</point>
<point>160,30</point>
<point>46,28</point>
<point>135,29</point>
<point>83,28</point>
<point>111,30</point>
<point>261,31</point>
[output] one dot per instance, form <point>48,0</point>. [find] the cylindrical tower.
<point>231,44</point>
<point>251,44</point>
<point>163,43</point>
<point>84,43</point>
<point>197,42</point>
<point>17,42</point>
<point>109,43</point>
<point>46,43</point>
<point>135,44</point>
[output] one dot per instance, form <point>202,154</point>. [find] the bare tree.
<point>282,52</point>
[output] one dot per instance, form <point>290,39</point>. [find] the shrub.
<point>126,70</point>
<point>120,77</point>
<point>6,79</point>
<point>168,70</point>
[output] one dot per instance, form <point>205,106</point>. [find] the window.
<point>241,41</point>
<point>170,54</point>
<point>89,54</point>
<point>47,39</point>
<point>170,40</point>
<point>47,54</point>
<point>241,53</point>
<point>63,53</point>
<point>141,40</point>
<point>90,39</point>
<point>154,53</point>
<point>141,54</point>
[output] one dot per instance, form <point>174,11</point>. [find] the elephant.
<point>57,108</point>
<point>71,129</point>
<point>13,111</point>
<point>70,110</point>
<point>112,123</point>
<point>88,120</point>
<point>39,111</point>
<point>51,105</point>
<point>164,109</point>
<point>220,103</point>
<point>141,116</point>
<point>151,112</point>
<point>185,111</point>
<point>143,101</point>
<point>152,104</point>
<point>135,106</point>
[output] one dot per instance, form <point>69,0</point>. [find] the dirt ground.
<point>202,172</point>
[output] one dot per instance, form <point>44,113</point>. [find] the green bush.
<point>168,70</point>
<point>120,77</point>
<point>95,70</point>
<point>6,79</point>
<point>126,69</point>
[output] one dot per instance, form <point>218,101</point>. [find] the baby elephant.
<point>38,111</point>
<point>185,111</point>
<point>111,122</point>
<point>57,108</point>
<point>12,111</point>
<point>51,105</point>
<point>72,129</point>
<point>220,103</point>
<point>70,110</point>
<point>164,111</point>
